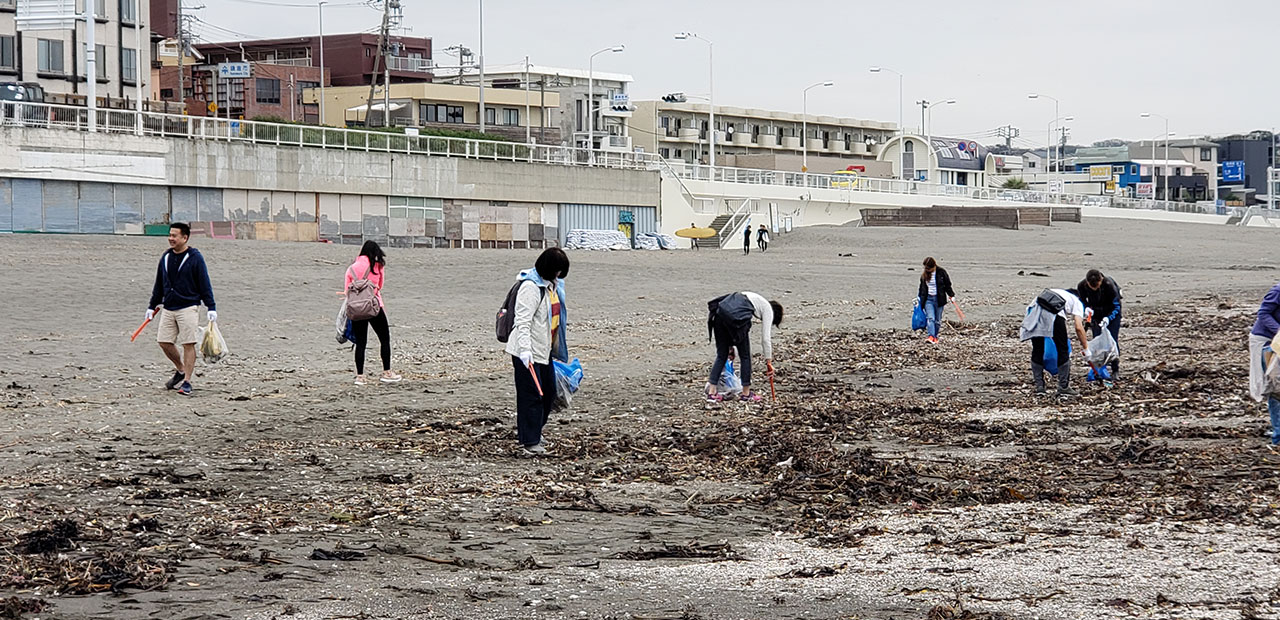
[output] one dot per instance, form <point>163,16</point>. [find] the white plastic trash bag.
<point>1102,349</point>
<point>212,345</point>
<point>730,384</point>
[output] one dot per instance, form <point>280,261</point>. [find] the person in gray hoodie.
<point>1045,325</point>
<point>538,332</point>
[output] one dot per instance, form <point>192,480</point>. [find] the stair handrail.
<point>734,222</point>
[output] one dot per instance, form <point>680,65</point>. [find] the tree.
<point>1014,183</point>
<point>1110,142</point>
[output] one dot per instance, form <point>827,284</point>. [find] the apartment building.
<point>610,91</point>
<point>55,59</point>
<point>444,106</point>
<point>680,131</point>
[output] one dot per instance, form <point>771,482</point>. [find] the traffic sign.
<point>1233,172</point>
<point>234,70</point>
<point>213,108</point>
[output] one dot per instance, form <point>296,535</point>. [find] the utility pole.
<point>483,112</point>
<point>379,57</point>
<point>1008,132</point>
<point>182,52</point>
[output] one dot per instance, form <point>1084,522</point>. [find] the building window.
<point>303,85</point>
<point>1117,169</point>
<point>664,152</point>
<point>267,90</point>
<point>491,116</point>
<point>1206,154</point>
<point>100,62</point>
<point>8,60</point>
<point>1133,169</point>
<point>510,116</point>
<point>49,53</point>
<point>100,9</point>
<point>435,113</point>
<point>129,65</point>
<point>128,11</point>
<point>8,4</point>
<point>578,115</point>
<point>166,94</point>
<point>664,122</point>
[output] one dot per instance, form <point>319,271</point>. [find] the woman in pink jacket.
<point>371,261</point>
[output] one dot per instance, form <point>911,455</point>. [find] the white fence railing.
<point>43,115</point>
<point>853,184</point>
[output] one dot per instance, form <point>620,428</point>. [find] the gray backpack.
<point>362,299</point>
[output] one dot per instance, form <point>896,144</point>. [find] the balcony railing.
<point>410,63</point>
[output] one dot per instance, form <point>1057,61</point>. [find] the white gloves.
<point>1105,322</point>
<point>150,314</point>
<point>526,357</point>
<point>213,316</point>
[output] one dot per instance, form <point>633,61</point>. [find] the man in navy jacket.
<point>182,283</point>
<point>1101,295</point>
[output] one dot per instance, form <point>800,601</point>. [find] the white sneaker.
<point>534,450</point>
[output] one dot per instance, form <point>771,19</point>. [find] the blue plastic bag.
<point>1050,356</point>
<point>729,381</point>
<point>568,375</point>
<point>918,320</point>
<point>1101,370</point>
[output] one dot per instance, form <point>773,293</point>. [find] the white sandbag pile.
<point>580,239</point>
<point>655,241</point>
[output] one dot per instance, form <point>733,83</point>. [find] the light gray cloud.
<point>1200,63</point>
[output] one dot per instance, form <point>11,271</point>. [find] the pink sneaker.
<point>753,398</point>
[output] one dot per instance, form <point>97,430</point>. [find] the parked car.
<point>13,96</point>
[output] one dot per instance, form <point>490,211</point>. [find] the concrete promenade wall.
<point>67,181</point>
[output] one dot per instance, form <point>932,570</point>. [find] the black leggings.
<point>380,327</point>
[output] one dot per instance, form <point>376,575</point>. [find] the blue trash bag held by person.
<point>568,375</point>
<point>1050,357</point>
<point>918,320</point>
<point>729,381</point>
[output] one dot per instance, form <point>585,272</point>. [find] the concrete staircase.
<point>717,224</point>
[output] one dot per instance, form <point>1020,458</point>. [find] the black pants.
<point>380,327</point>
<point>1114,328</point>
<point>532,410</point>
<point>1060,341</point>
<point>727,337</point>
<point>764,245</point>
<point>746,245</point>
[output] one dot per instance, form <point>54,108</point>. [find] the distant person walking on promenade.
<point>1264,376</point>
<point>746,239</point>
<point>693,243</point>
<point>537,334</point>
<point>182,283</point>
<point>1101,295</point>
<point>729,321</point>
<point>371,265</point>
<point>762,238</point>
<point>935,289</point>
<point>1046,327</point>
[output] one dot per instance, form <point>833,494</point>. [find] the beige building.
<point>55,59</point>
<point>445,106</point>
<point>679,131</point>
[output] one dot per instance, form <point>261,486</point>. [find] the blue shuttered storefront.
<point>604,217</point>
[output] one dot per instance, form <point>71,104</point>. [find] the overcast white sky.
<point>1201,63</point>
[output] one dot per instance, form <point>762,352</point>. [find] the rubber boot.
<point>1064,379</point>
<point>1037,377</point>
<point>1115,370</point>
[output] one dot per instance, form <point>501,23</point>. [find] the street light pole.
<point>711,95</point>
<point>928,108</point>
<point>1050,147</point>
<point>320,6</point>
<point>481,60</point>
<point>902,132</point>
<point>1166,151</point>
<point>591,104</point>
<point>804,124</point>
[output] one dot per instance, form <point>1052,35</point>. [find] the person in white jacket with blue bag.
<point>538,324</point>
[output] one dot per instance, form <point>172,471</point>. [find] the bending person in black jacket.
<point>1101,294</point>
<point>935,289</point>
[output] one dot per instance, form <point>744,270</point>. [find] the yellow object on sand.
<point>696,233</point>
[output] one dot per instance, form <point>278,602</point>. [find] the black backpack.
<point>731,310</point>
<point>506,322</point>
<point>1051,301</point>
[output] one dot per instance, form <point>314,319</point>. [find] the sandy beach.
<point>923,481</point>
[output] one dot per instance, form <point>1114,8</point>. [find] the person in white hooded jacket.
<point>538,324</point>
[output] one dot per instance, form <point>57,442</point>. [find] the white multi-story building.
<point>679,131</point>
<point>572,85</point>
<point>55,59</point>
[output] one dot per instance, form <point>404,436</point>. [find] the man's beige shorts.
<point>180,326</point>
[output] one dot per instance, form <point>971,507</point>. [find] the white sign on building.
<point>1145,190</point>
<point>46,15</point>
<point>234,70</point>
